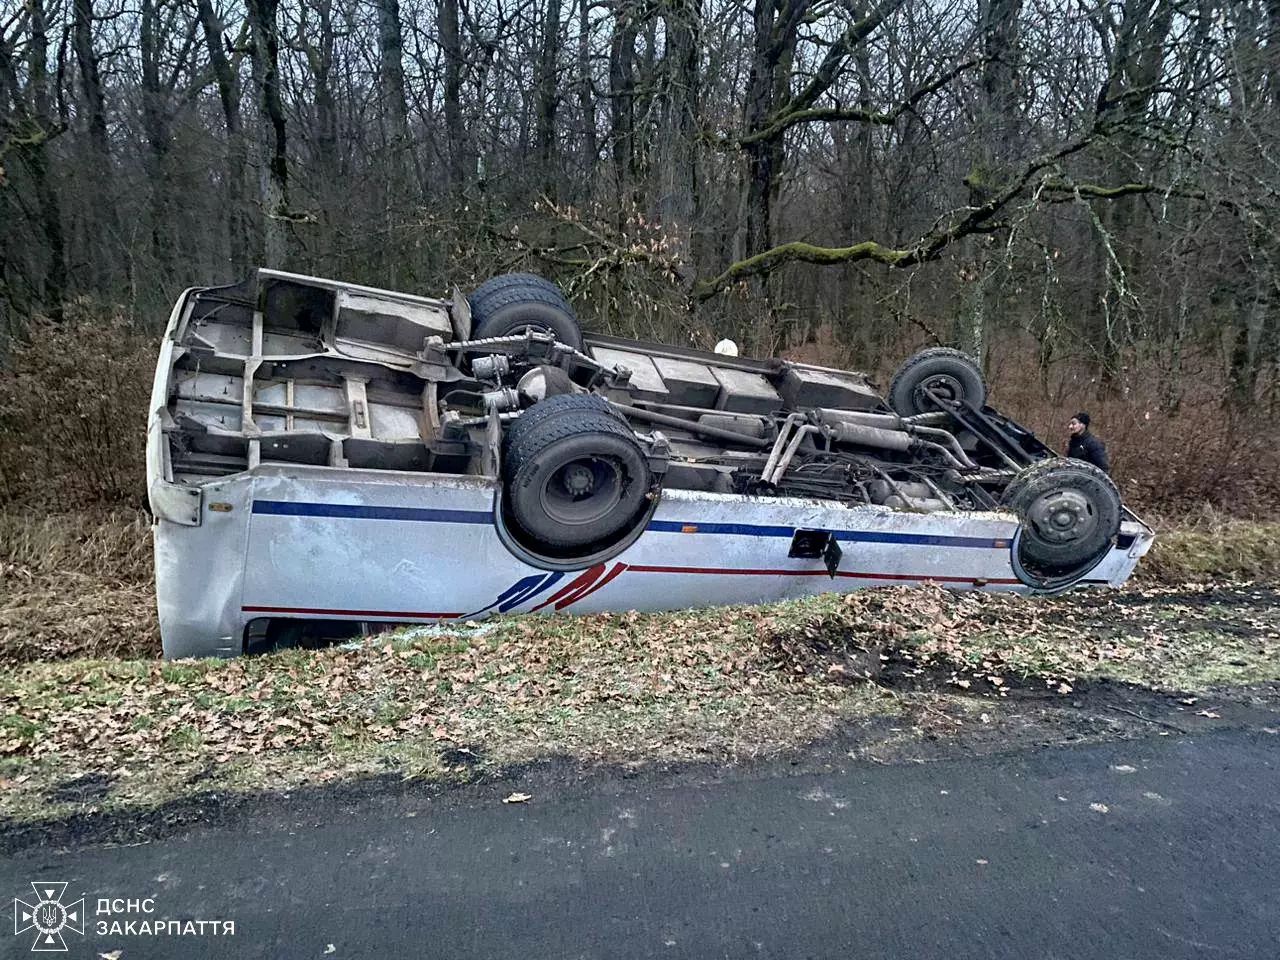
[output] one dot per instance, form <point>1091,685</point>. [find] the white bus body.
<point>307,541</point>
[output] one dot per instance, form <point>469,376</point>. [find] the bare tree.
<point>394,108</point>
<point>239,237</point>
<point>273,159</point>
<point>976,170</point>
<point>101,225</point>
<point>451,49</point>
<point>29,126</point>
<point>996,133</point>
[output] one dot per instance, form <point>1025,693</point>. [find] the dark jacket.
<point>1086,446</point>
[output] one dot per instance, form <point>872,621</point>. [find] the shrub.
<point>73,410</point>
<point>1212,546</point>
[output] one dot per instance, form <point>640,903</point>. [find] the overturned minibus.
<point>325,458</point>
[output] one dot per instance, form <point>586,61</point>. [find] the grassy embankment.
<point>89,718</point>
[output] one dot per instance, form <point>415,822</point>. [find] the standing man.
<point>1083,445</point>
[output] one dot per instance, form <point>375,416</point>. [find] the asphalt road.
<point>1161,848</point>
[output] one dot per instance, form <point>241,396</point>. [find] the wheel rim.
<point>582,490</point>
<point>1063,517</point>
<point>942,385</point>
<point>520,329</point>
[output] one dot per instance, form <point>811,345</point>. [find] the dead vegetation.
<point>1210,545</point>
<point>73,402</point>
<point>76,585</point>
<point>721,684</point>
<point>625,687</point>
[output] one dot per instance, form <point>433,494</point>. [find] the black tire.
<point>1070,513</point>
<point>950,373</point>
<point>506,281</point>
<point>519,306</point>
<point>565,404</point>
<point>575,482</point>
<point>282,633</point>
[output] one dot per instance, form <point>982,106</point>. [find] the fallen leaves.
<point>740,681</point>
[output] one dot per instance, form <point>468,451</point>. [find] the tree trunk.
<point>548,99</point>
<point>101,225</point>
<point>273,166</point>
<point>451,46</point>
<point>856,152</point>
<point>326,105</point>
<point>1247,340</point>
<point>1136,65</point>
<point>155,123</point>
<point>328,191</point>
<point>622,51</point>
<point>391,79</point>
<point>586,96</point>
<point>35,124</point>
<point>677,148</point>
<point>241,248</point>
<point>996,134</point>
<point>760,153</point>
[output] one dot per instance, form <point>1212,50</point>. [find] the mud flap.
<point>812,544</point>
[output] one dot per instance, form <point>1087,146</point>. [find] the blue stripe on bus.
<point>925,539</point>
<point>355,511</point>
<point>349,511</point>
<point>856,536</point>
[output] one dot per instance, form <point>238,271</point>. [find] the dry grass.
<point>73,409</point>
<point>108,545</point>
<point>1212,546</point>
<point>76,586</point>
<point>1190,637</point>
<point>720,684</point>
<point>705,684</point>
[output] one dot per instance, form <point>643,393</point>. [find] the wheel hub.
<point>942,385</point>
<point>582,491</point>
<point>1063,516</point>
<point>579,480</point>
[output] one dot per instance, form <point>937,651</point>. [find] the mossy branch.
<point>34,137</point>
<point>1062,191</point>
<point>804,252</point>
<point>959,223</point>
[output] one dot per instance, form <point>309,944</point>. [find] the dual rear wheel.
<point>1070,512</point>
<point>575,479</point>
<point>516,302</point>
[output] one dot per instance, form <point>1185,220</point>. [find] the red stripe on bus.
<point>608,577</point>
